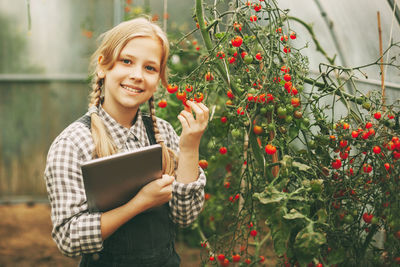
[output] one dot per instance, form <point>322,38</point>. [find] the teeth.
<point>131,89</point>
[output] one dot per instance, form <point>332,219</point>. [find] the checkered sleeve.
<point>187,199</point>
<point>75,230</point>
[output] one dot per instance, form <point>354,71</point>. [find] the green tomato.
<point>306,122</point>
<point>281,111</point>
<point>231,50</point>
<point>366,105</point>
<point>316,185</point>
<point>271,127</point>
<point>248,59</point>
<point>348,219</point>
<point>263,110</point>
<point>236,133</point>
<point>288,119</point>
<point>270,107</point>
<point>289,108</point>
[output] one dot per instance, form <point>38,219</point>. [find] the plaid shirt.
<point>77,231</point>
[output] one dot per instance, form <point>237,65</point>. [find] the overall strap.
<point>148,124</point>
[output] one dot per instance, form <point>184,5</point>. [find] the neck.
<point>124,117</point>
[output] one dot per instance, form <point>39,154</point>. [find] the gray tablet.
<point>113,180</point>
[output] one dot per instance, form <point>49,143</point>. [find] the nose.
<point>136,73</point>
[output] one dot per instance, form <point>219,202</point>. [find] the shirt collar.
<point>120,134</point>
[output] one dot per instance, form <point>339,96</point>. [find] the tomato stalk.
<point>209,45</point>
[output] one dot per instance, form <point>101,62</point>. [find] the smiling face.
<point>133,78</point>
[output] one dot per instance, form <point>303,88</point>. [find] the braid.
<point>169,158</point>
<point>103,143</point>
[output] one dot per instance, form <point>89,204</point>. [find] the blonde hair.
<point>112,43</point>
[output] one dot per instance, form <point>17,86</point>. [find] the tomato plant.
<point>282,167</point>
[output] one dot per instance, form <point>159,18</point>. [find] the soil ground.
<point>25,239</point>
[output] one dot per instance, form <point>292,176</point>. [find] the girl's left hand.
<point>193,127</point>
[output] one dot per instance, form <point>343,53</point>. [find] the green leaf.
<point>280,236</point>
<point>220,35</point>
<point>293,132</point>
<point>301,166</point>
<point>337,255</point>
<point>294,214</point>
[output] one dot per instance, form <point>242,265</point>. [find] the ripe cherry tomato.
<point>162,103</point>
<point>203,164</point>
<point>295,102</point>
<point>377,115</point>
<point>258,56</point>
<point>172,88</point>
<point>223,150</point>
<point>209,77</point>
<point>336,164</point>
<point>181,95</point>
<point>237,41</point>
<point>189,88</point>
<point>257,129</point>
<point>376,149</point>
<point>198,97</point>
<point>236,258</point>
<point>253,18</point>
<point>270,149</point>
<point>237,26</point>
<point>287,77</point>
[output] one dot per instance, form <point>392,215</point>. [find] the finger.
<point>201,111</point>
<point>183,121</point>
<point>188,116</point>
<point>166,180</point>
<point>187,107</point>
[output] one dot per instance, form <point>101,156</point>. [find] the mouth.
<point>132,89</point>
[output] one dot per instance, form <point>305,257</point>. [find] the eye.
<point>150,68</point>
<point>126,61</point>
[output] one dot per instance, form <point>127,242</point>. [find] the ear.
<point>100,72</point>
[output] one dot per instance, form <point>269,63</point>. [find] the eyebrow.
<point>133,57</point>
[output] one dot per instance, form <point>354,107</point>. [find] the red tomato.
<point>198,97</point>
<point>230,94</point>
<point>367,217</point>
<point>189,88</point>
<point>377,115</point>
<point>223,150</point>
<point>257,7</point>
<point>284,38</point>
<point>287,77</point>
<point>295,102</point>
<point>253,18</point>
<point>212,258</point>
<point>209,77</point>
<point>292,35</point>
<point>286,49</point>
<point>247,261</point>
<point>162,103</point>
<point>172,88</point>
<point>257,129</point>
<point>203,164</point>
<point>285,69</point>
<point>237,41</point>
<point>354,134</point>
<point>253,233</point>
<point>181,95</point>
<point>258,56</point>
<point>376,149</point>
<point>224,119</point>
<point>237,26</point>
<point>336,164</point>
<point>221,257</point>
<point>270,149</point>
<point>236,258</point>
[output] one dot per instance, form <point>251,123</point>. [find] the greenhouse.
<point>300,146</point>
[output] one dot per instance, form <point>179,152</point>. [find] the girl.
<point>128,66</point>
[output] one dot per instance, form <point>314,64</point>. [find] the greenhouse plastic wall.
<point>45,52</point>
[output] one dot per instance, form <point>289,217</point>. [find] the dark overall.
<point>146,240</point>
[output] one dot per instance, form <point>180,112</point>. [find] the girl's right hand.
<point>156,192</point>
